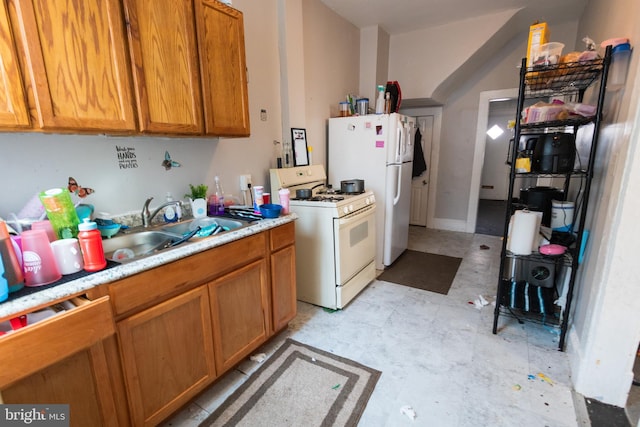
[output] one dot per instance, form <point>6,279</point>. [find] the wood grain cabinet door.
<point>166,75</point>
<point>240,314</point>
<point>167,354</point>
<point>75,55</point>
<point>13,104</point>
<point>224,70</point>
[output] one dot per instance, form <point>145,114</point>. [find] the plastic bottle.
<point>170,214</point>
<point>11,265</point>
<point>283,193</point>
<point>4,284</point>
<point>219,197</point>
<point>387,103</point>
<point>91,246</point>
<point>380,100</point>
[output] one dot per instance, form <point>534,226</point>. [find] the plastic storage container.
<point>548,54</point>
<point>61,212</point>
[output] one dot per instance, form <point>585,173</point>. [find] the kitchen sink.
<point>141,242</point>
<point>185,227</point>
<point>128,247</point>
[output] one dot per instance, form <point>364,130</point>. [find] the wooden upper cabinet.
<point>13,105</point>
<point>164,56</point>
<point>223,68</point>
<point>75,56</point>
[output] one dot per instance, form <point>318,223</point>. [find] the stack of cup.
<point>40,266</point>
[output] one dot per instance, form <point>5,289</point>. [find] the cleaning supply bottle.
<point>170,214</point>
<point>13,271</point>
<point>380,100</point>
<point>91,246</point>
<point>219,197</point>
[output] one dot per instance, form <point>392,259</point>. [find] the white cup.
<point>67,255</point>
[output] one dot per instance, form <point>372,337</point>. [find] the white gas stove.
<point>335,237</point>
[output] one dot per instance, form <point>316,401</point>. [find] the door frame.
<point>486,98</point>
<point>432,169</point>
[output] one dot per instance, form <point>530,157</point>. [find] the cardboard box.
<point>538,35</point>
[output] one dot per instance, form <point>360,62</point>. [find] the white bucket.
<point>562,215</point>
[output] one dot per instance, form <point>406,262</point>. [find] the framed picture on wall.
<point>299,144</point>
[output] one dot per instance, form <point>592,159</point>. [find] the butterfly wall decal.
<point>78,190</point>
<point>168,163</point>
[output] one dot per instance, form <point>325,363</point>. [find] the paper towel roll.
<point>523,232</point>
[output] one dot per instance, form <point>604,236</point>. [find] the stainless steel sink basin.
<point>141,242</point>
<point>184,227</point>
<point>128,247</point>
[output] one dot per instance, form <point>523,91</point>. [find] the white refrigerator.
<point>379,150</point>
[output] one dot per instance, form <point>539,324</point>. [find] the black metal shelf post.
<point>563,79</point>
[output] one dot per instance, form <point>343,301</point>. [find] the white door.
<point>420,184</point>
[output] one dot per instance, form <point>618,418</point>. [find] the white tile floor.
<point>436,352</point>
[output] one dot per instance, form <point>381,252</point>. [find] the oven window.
<point>358,233</point>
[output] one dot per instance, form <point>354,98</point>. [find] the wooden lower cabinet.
<point>70,358</point>
<point>283,275</point>
<point>240,313</point>
<point>167,355</point>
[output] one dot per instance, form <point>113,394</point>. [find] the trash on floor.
<point>517,387</point>
<point>545,378</point>
<point>335,387</point>
<point>408,411</point>
<point>480,302</point>
<point>258,357</point>
<point>484,247</point>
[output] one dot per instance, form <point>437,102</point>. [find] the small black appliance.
<point>554,153</point>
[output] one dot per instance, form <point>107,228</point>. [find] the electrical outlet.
<point>245,182</point>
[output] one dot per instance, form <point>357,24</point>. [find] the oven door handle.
<point>356,216</point>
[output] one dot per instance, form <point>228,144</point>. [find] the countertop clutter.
<point>28,302</point>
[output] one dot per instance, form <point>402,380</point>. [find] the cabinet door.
<point>223,68</point>
<point>167,354</point>
<point>164,53</point>
<point>13,105</point>
<point>83,381</point>
<point>239,308</point>
<point>75,56</point>
<point>283,286</point>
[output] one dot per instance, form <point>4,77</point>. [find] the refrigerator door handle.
<point>399,143</point>
<point>396,197</point>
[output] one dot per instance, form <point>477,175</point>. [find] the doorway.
<point>486,99</point>
<point>494,182</point>
<point>429,120</point>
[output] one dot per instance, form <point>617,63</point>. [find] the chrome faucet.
<point>147,217</point>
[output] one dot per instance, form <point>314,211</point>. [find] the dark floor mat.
<point>603,415</point>
<point>490,218</point>
<point>422,270</point>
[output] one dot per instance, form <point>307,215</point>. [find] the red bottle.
<point>91,246</point>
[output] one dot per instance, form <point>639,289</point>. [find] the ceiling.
<point>401,16</point>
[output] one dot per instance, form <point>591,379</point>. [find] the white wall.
<point>331,63</point>
<point>35,162</point>
<point>606,329</point>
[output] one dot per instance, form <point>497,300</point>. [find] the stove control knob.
<point>345,210</point>
<point>350,208</point>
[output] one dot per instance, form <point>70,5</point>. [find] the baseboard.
<point>450,224</point>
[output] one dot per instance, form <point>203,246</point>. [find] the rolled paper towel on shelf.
<point>523,232</point>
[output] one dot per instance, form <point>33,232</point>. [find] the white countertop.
<point>37,299</point>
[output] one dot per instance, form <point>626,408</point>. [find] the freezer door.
<point>397,211</point>
<point>400,140</point>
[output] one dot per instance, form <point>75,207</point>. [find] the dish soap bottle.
<point>380,100</point>
<point>170,213</point>
<point>219,197</point>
